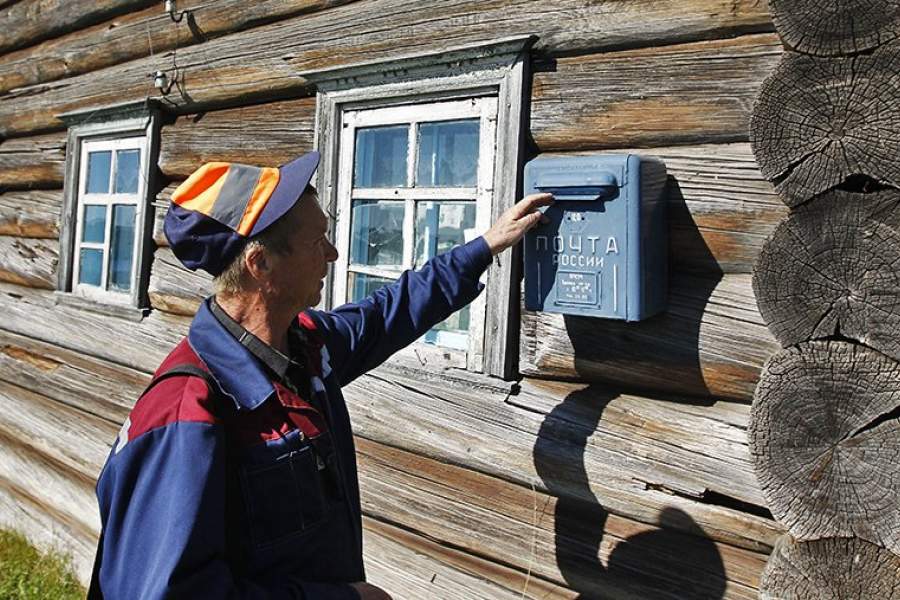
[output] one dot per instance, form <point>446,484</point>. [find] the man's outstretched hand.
<point>512,224</point>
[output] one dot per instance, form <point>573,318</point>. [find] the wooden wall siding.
<point>572,544</point>
<point>831,568</point>
<point>624,466</point>
<point>851,27</point>
<point>29,21</point>
<point>253,65</point>
<point>711,341</point>
<point>33,163</point>
<point>29,262</point>
<point>33,213</point>
<point>683,94</point>
<point>264,134</point>
<point>138,34</point>
<point>174,288</point>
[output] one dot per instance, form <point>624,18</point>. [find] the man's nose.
<point>332,254</point>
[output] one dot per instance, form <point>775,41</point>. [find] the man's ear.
<point>257,263</point>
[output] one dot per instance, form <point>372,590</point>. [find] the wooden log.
<point>35,162</point>
<point>411,567</point>
<point>570,544</point>
<point>30,21</point>
<point>830,270</point>
<point>613,461</point>
<point>175,289</point>
<point>265,134</point>
<point>821,123</point>
<point>29,262</point>
<point>836,28</point>
<point>92,329</point>
<point>825,437</point>
<point>33,214</point>
<point>138,34</point>
<point>832,568</point>
<point>253,62</point>
<point>681,94</point>
<point>711,341</point>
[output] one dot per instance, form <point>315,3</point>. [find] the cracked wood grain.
<point>825,438</point>
<point>32,213</point>
<point>836,27</point>
<point>821,122</point>
<point>830,569</point>
<point>833,268</point>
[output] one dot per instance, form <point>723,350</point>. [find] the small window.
<point>415,180</point>
<point>112,190</point>
<point>106,216</point>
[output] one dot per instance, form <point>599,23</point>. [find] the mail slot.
<point>604,251</point>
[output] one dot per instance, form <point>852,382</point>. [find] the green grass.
<point>28,574</point>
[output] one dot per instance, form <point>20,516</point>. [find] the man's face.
<point>298,277</point>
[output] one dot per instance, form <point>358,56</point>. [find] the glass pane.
<point>98,169</point>
<point>128,164</point>
<point>381,155</point>
<point>440,226</point>
<point>448,154</point>
<point>452,331</point>
<point>121,247</point>
<point>376,233</point>
<point>90,266</point>
<point>94,227</point>
<point>359,285</point>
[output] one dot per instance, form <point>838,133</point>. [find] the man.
<point>235,474</point>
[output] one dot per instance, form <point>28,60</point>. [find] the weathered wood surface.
<point>825,437</point>
<point>32,213</point>
<point>837,27</point>
<point>411,567</point>
<point>253,62</point>
<point>831,269</point>
<point>29,21</point>
<point>576,545</point>
<point>264,134</point>
<point>91,330</point>
<point>834,569</point>
<point>175,289</point>
<point>629,462</point>
<point>683,94</point>
<point>823,122</point>
<point>29,262</point>
<point>138,34</point>
<point>35,162</point>
<point>711,341</point>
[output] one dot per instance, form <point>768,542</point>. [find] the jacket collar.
<point>237,370</point>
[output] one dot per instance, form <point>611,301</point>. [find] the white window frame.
<point>482,108</point>
<point>495,70</point>
<point>101,293</point>
<point>124,126</point>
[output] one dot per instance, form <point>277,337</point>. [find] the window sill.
<point>129,313</point>
<point>455,377</point>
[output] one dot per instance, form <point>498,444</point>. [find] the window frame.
<point>497,69</point>
<point>99,129</point>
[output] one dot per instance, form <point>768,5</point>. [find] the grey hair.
<point>275,239</point>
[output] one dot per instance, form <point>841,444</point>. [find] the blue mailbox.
<point>604,251</point>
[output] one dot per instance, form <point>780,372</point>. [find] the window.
<point>105,226</point>
<point>415,180</point>
<point>420,154</point>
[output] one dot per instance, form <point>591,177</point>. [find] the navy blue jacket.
<point>252,492</point>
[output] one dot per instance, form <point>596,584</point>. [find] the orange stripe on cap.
<point>200,191</point>
<point>268,179</point>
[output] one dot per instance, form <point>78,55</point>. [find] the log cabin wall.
<point>619,468</point>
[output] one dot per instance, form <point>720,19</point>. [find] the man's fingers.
<point>530,203</point>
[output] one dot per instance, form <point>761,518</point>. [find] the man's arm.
<point>163,498</point>
<point>362,335</point>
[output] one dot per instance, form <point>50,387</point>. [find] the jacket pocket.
<point>285,497</point>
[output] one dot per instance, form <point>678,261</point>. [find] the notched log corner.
<point>830,271</point>
<point>836,28</point>
<point>821,121</point>
<point>830,568</point>
<point>825,439</point>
